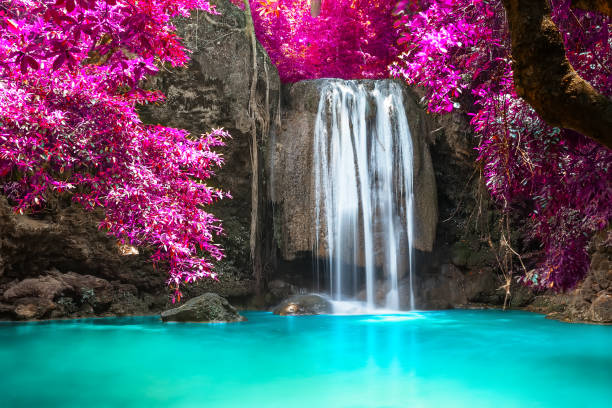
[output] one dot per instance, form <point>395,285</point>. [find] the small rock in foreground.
<point>207,308</point>
<point>301,305</point>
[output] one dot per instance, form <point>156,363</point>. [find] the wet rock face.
<point>302,305</point>
<point>281,289</point>
<point>455,267</point>
<point>292,177</point>
<point>467,221</point>
<point>441,291</point>
<point>602,308</point>
<point>206,308</point>
<point>450,287</point>
<point>213,91</point>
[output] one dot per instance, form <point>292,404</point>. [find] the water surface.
<point>454,358</point>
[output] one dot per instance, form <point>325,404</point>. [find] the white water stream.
<point>363,187</point>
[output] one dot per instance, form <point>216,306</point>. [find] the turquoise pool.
<point>456,358</point>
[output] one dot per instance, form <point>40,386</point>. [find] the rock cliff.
<point>591,301</point>
<point>214,91</point>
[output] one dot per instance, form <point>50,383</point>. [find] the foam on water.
<point>355,307</point>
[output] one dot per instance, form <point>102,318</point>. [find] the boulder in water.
<point>302,305</point>
<point>207,308</point>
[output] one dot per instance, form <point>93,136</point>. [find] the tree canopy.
<point>70,74</point>
<point>69,85</point>
<point>461,53</point>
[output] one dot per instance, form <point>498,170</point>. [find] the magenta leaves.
<point>349,39</point>
<point>69,85</point>
<point>458,51</point>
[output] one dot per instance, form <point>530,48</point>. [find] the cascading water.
<point>363,164</point>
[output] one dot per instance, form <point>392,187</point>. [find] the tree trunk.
<point>315,8</point>
<point>544,77</point>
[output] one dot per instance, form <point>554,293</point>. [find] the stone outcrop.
<point>60,265</point>
<point>292,177</point>
<point>278,290</point>
<point>302,305</point>
<point>461,269</point>
<point>206,308</point>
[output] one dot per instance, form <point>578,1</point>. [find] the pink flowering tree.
<point>69,83</point>
<point>459,52</point>
<point>346,39</point>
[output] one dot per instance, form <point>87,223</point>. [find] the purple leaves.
<point>348,39</point>
<point>559,180</point>
<point>68,123</point>
<point>11,25</point>
<point>70,5</point>
<point>62,52</point>
<point>28,61</point>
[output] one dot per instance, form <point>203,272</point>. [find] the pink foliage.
<point>459,51</point>
<point>349,39</point>
<point>69,84</point>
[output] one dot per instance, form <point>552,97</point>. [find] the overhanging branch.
<point>544,77</point>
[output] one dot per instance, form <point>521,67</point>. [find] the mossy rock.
<point>207,308</point>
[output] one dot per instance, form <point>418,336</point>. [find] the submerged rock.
<point>301,305</point>
<point>207,308</point>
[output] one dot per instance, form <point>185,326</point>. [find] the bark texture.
<point>601,6</point>
<point>315,8</point>
<point>546,79</point>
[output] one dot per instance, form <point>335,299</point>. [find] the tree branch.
<point>601,6</point>
<point>544,77</point>
<point>315,8</point>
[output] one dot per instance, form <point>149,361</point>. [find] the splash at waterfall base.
<point>353,185</point>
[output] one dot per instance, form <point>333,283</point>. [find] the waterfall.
<point>363,178</point>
